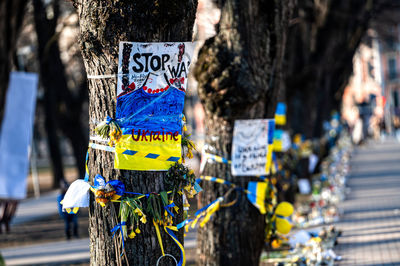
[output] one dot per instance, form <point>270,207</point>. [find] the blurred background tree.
<point>11,17</point>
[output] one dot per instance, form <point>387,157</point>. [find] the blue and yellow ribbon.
<point>216,158</point>
<point>169,230</point>
<point>115,229</point>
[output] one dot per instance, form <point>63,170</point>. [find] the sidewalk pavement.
<point>55,253</point>
<point>371,222</point>
<point>33,209</point>
<point>73,251</point>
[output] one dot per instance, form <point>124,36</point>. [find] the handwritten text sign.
<point>152,82</point>
<point>252,146</point>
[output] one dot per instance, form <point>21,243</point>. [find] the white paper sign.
<point>252,139</point>
<point>150,66</point>
<point>16,134</point>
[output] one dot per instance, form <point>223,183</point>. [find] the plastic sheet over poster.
<point>152,81</point>
<point>16,134</point>
<point>252,147</point>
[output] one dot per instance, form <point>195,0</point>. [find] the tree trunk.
<point>52,78</point>
<point>323,38</point>
<point>238,72</point>
<point>103,24</point>
<point>60,103</point>
<point>11,15</point>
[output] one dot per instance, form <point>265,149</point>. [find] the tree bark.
<point>11,15</point>
<point>238,72</point>
<point>63,109</point>
<point>52,78</point>
<point>103,24</point>
<point>323,38</point>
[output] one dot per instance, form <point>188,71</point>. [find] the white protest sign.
<point>153,66</point>
<point>16,134</point>
<point>252,147</point>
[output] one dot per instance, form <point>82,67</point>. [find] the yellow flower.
<point>143,219</point>
<point>137,230</point>
<point>138,212</point>
<point>189,154</point>
<point>276,243</point>
<point>132,235</point>
<point>191,172</point>
<point>184,128</point>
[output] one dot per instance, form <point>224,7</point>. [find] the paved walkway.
<point>35,209</point>
<point>371,222</point>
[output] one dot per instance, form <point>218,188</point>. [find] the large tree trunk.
<point>238,72</point>
<point>103,24</point>
<point>323,38</point>
<point>63,110</point>
<point>52,78</point>
<point>11,15</point>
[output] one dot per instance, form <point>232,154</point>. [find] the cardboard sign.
<point>16,134</point>
<point>252,147</point>
<point>151,91</point>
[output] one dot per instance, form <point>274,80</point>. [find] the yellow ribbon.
<point>159,237</point>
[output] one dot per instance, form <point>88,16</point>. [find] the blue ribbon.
<point>109,120</point>
<point>169,206</point>
<point>134,193</point>
<point>115,229</point>
<point>182,224</point>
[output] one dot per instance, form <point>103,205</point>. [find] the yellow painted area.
<point>260,200</point>
<point>277,145</point>
<point>166,149</point>
<point>280,120</point>
<point>269,159</point>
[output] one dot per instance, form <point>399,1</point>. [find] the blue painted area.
<point>271,129</point>
<point>152,155</point>
<point>129,152</point>
<point>173,159</point>
<point>153,112</point>
<point>280,109</point>
<point>278,134</point>
<point>252,188</point>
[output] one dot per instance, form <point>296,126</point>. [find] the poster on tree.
<point>252,147</point>
<point>152,82</point>
<point>16,134</point>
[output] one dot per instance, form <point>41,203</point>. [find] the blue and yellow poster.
<point>152,82</point>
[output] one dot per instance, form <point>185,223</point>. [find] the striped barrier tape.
<point>141,154</point>
<point>216,158</point>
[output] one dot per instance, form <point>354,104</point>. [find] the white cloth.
<point>16,134</point>
<point>313,160</point>
<point>304,186</point>
<point>77,195</point>
<point>301,237</point>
